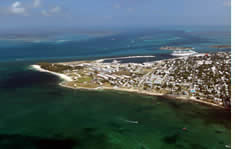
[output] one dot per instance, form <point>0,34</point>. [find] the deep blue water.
<point>36,113</point>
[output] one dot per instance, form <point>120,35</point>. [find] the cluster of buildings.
<point>203,76</point>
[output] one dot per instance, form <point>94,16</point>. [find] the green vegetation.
<point>84,79</point>
<point>54,67</point>
<point>87,85</point>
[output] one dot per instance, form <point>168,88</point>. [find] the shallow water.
<point>37,113</point>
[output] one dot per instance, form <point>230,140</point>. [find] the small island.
<point>204,78</point>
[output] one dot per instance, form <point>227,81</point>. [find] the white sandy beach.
<point>62,76</point>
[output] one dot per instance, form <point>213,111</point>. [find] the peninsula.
<point>204,78</point>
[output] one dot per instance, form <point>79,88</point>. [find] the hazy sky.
<point>34,13</point>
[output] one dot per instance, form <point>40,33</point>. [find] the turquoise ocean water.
<point>36,113</point>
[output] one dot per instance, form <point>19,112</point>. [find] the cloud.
<point>51,12</point>
<point>27,9</point>
<point>36,3</point>
<point>17,9</point>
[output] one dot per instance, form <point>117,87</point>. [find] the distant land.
<point>221,46</point>
<point>175,48</point>
<point>190,48</point>
<point>204,78</point>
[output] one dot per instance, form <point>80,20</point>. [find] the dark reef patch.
<point>8,141</point>
<point>88,138</point>
<point>171,139</point>
<point>27,79</point>
<point>197,146</point>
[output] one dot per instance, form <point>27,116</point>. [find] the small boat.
<point>134,122</point>
<point>129,121</point>
<point>183,52</point>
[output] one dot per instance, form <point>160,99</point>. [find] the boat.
<point>183,52</point>
<point>134,122</point>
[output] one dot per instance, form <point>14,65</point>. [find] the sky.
<point>113,13</point>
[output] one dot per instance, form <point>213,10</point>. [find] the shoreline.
<point>62,76</point>
<point>177,97</point>
<point>66,78</point>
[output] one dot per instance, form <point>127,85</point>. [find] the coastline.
<point>66,79</point>
<point>177,97</point>
<point>62,76</point>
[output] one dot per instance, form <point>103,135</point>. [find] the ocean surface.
<point>36,113</point>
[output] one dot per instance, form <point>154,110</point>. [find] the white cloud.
<point>26,9</point>
<point>16,4</point>
<point>36,3</point>
<point>17,9</point>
